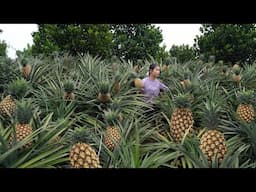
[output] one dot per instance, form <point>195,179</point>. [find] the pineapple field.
<point>63,111</point>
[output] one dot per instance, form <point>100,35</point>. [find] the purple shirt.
<point>152,88</point>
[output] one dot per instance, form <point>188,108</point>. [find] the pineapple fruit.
<point>235,66</point>
<point>68,91</point>
<point>185,83</point>
<point>82,155</point>
<point>112,136</point>
<point>17,90</point>
<point>236,77</point>
<point>104,95</point>
<point>116,85</point>
<point>26,69</point>
<point>212,142</point>
<point>182,118</point>
<point>138,83</point>
<point>22,127</point>
<point>245,110</point>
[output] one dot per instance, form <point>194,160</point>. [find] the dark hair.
<point>152,67</point>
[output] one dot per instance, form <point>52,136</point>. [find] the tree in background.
<point>183,53</point>
<point>228,42</point>
<point>136,41</point>
<point>95,39</point>
<point>3,47</point>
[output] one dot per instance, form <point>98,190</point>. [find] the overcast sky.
<point>17,36</point>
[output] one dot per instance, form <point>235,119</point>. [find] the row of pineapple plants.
<point>94,93</point>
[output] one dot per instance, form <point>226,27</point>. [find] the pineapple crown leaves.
<point>140,62</point>
<point>104,87</point>
<point>246,97</point>
<point>211,114</point>
<point>114,59</point>
<point>117,77</point>
<point>24,112</point>
<point>80,134</point>
<point>18,88</point>
<point>110,116</point>
<point>236,71</point>
<point>116,104</point>
<point>182,100</point>
<point>23,62</point>
<point>68,86</point>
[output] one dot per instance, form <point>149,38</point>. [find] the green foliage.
<point>24,112</point>
<point>18,88</point>
<point>183,53</point>
<point>75,38</point>
<point>136,41</point>
<point>228,42</point>
<point>8,72</point>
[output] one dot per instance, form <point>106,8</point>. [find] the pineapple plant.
<point>236,77</point>
<point>245,111</point>
<point>138,66</point>
<point>17,90</point>
<point>181,118</point>
<point>26,68</point>
<point>68,91</point>
<point>112,135</point>
<point>212,142</point>
<point>82,154</point>
<point>22,127</point>
<point>104,92</point>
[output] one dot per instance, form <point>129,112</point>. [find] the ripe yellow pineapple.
<point>112,135</point>
<point>245,110</point>
<point>22,127</point>
<point>17,90</point>
<point>104,92</point>
<point>82,155</point>
<point>212,141</point>
<point>68,91</point>
<point>7,106</point>
<point>138,83</point>
<point>26,69</point>
<point>182,118</point>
